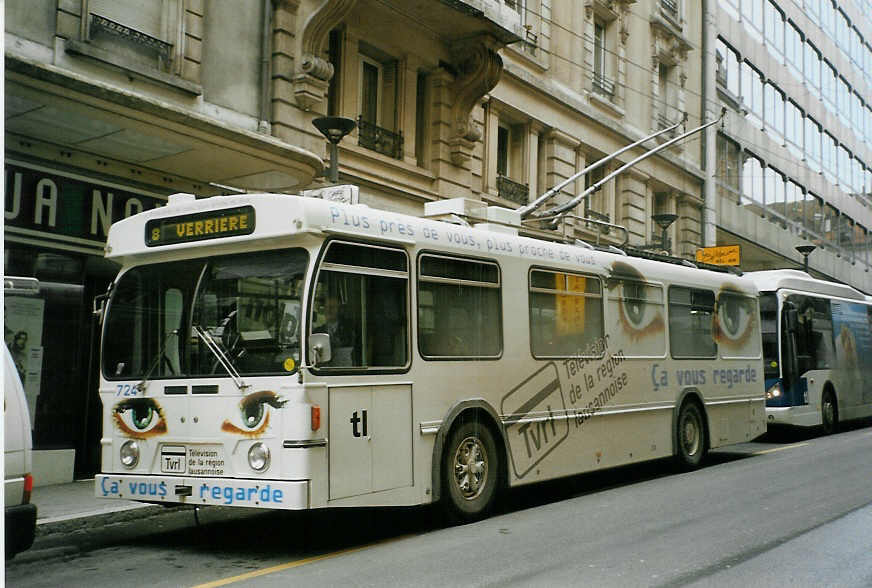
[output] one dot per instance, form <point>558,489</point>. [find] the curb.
<point>78,522</point>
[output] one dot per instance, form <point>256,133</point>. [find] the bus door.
<point>361,304</point>
<point>370,438</point>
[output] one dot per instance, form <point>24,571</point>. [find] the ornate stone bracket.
<point>313,72</point>
<point>479,68</point>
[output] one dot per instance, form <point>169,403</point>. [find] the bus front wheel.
<point>471,470</point>
<point>690,436</point>
<point>829,412</point>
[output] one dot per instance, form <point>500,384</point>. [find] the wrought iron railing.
<point>597,216</point>
<point>670,7</point>
<point>379,140</point>
<point>101,23</point>
<point>603,85</point>
<point>512,190</point>
<point>664,122</point>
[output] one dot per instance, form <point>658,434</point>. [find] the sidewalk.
<point>69,506</point>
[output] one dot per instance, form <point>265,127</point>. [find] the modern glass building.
<point>794,158</point>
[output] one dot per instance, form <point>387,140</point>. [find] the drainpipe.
<point>263,124</point>
<point>709,108</point>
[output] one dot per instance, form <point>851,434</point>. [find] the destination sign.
<point>230,222</point>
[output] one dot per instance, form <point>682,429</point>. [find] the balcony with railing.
<point>461,19</point>
<point>603,85</point>
<point>512,190</point>
<point>379,140</point>
<point>670,9</point>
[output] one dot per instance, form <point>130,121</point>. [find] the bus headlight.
<point>258,457</point>
<point>130,454</point>
<point>774,391</point>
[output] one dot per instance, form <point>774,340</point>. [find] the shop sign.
<point>65,207</point>
<point>727,255</point>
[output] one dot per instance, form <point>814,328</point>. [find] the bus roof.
<point>197,227</point>
<point>791,279</point>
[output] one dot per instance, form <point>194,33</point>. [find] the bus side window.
<point>566,315</point>
<point>691,313</point>
<point>459,308</point>
<point>361,301</point>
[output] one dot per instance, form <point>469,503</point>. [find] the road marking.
<point>774,449</point>
<point>294,564</point>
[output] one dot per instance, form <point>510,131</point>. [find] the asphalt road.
<point>791,510</point>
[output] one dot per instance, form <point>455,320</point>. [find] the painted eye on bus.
<point>254,414</point>
<point>734,319</point>
<point>139,418</point>
<point>639,316</point>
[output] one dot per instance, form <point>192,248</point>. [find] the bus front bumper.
<point>796,416</point>
<point>291,495</point>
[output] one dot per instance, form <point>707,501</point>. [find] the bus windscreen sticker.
<point>536,421</point>
<point>230,222</point>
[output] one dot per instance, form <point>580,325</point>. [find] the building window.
<point>794,50</point>
<point>775,30</point>
<point>752,16</point>
<point>813,68</point>
<point>813,144</point>
<point>370,91</point>
<point>829,157</point>
<point>510,162</point>
<point>752,184</point>
<point>728,168</point>
<point>752,93</point>
<point>377,121</point>
<point>773,100</point>
<point>149,32</point>
<point>603,81</point>
<point>795,127</point>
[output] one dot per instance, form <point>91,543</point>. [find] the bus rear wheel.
<point>690,436</point>
<point>829,412</point>
<point>471,469</point>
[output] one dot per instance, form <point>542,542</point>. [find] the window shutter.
<point>144,16</point>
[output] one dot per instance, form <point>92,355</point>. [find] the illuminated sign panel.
<point>230,222</point>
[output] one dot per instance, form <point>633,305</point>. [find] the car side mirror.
<point>319,348</point>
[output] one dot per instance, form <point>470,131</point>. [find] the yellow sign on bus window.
<point>727,255</point>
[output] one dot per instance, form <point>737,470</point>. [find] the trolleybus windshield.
<point>250,305</point>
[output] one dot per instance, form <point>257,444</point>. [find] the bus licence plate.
<point>173,459</point>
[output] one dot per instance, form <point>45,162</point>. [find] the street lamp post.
<point>664,220</point>
<point>334,128</point>
<point>805,251</point>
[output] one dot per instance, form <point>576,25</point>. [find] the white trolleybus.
<point>293,352</point>
<point>817,341</point>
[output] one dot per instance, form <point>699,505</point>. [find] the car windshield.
<point>249,305</point>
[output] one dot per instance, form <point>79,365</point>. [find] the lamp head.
<point>664,220</point>
<point>805,250</point>
<point>334,128</point>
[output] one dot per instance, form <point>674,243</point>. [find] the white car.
<point>20,513</point>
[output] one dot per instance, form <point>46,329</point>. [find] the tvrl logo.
<point>534,426</point>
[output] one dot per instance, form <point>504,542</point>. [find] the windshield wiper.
<point>222,358</point>
<point>157,359</point>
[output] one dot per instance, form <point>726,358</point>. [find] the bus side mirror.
<point>792,317</point>
<point>319,348</point>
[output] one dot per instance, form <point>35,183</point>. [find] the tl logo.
<point>358,420</point>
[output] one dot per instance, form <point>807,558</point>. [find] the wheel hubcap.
<point>470,468</point>
<point>828,411</point>
<point>690,435</point>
